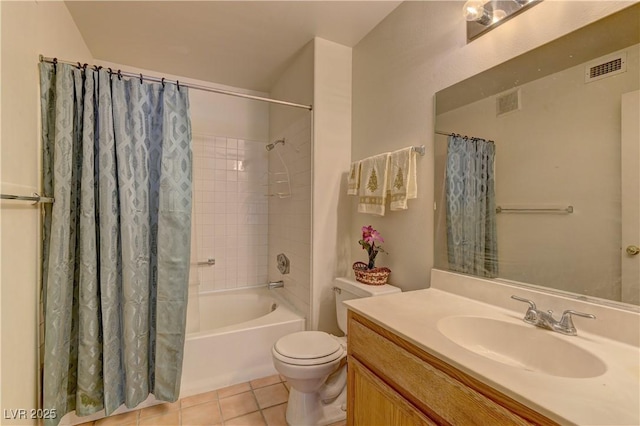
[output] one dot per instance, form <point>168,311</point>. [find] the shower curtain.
<point>117,160</point>
<point>471,208</point>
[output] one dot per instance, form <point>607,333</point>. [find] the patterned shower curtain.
<point>471,208</point>
<point>117,160</point>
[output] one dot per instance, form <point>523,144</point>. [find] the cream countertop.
<point>608,399</point>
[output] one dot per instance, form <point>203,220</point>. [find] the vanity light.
<point>484,15</point>
<point>474,11</point>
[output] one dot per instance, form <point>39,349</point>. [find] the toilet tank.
<point>348,288</point>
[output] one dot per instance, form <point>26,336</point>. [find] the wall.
<point>27,31</point>
<point>582,137</point>
<point>290,217</point>
<point>231,212</point>
<point>418,49</point>
<point>331,160</point>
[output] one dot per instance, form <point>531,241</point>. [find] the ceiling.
<point>244,44</point>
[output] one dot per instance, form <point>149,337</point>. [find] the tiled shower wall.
<point>231,212</point>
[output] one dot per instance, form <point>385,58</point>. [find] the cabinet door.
<point>374,403</point>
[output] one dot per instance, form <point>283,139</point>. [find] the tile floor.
<point>260,402</point>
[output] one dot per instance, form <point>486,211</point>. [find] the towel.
<point>403,183</point>
<point>353,180</point>
<point>373,184</point>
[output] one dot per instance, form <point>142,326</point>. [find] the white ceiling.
<point>244,44</point>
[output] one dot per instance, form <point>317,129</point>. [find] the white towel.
<point>353,180</point>
<point>373,184</point>
<point>403,183</point>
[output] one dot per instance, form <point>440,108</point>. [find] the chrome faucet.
<point>546,320</point>
<point>275,284</point>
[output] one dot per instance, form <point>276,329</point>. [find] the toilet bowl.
<point>314,363</point>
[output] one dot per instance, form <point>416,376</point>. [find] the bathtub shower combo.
<point>230,335</point>
<point>233,319</point>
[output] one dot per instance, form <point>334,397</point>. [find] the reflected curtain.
<point>471,208</point>
<point>117,160</point>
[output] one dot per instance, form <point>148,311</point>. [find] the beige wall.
<point>331,159</point>
<point>417,50</point>
<point>28,29</point>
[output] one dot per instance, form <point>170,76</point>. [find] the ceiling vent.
<point>508,102</point>
<point>606,66</point>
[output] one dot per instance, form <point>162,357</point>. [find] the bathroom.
<point>372,96</point>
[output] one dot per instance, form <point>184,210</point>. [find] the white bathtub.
<point>230,335</point>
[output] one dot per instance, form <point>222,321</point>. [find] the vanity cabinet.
<point>393,382</point>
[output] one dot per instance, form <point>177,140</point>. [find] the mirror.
<point>566,163</point>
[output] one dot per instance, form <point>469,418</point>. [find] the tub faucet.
<point>276,284</point>
<point>546,320</point>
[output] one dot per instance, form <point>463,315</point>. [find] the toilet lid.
<point>307,345</point>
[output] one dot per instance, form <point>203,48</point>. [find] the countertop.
<point>612,398</point>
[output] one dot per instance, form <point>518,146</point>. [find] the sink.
<point>521,346</point>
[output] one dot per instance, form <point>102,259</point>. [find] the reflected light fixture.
<point>483,15</point>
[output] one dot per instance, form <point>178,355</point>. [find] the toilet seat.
<point>308,348</point>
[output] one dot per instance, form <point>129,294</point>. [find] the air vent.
<point>507,102</point>
<point>605,67</point>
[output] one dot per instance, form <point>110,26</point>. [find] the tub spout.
<point>275,284</point>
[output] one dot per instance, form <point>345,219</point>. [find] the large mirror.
<point>561,206</point>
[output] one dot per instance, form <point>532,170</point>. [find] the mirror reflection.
<point>545,189</point>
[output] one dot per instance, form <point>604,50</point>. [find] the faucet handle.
<point>531,316</point>
<point>566,323</point>
<point>532,305</point>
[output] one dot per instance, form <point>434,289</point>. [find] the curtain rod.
<point>191,86</point>
<point>438,132</point>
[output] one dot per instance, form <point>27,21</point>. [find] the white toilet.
<point>314,362</point>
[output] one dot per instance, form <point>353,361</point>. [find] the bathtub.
<point>230,335</point>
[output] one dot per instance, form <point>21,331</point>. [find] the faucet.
<point>275,284</point>
<point>546,320</point>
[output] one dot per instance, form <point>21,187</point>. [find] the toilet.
<point>314,362</point>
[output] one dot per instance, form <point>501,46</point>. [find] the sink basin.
<point>521,346</point>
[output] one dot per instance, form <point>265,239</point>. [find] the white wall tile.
<point>231,212</point>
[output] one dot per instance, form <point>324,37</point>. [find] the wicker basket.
<point>375,276</point>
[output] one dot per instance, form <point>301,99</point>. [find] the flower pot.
<point>375,276</point>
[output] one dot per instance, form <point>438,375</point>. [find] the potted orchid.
<point>367,273</point>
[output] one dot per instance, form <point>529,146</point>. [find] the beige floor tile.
<point>342,423</point>
<point>86,424</point>
<point>265,381</point>
<point>276,415</point>
<point>171,418</point>
<point>233,390</point>
<point>206,414</point>
<point>253,419</point>
<point>198,399</point>
<point>271,395</point>
<point>159,409</point>
<point>238,405</point>
<point>126,419</point>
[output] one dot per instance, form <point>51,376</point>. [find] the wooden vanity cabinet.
<point>393,382</point>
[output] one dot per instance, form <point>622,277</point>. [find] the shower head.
<point>273,145</point>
